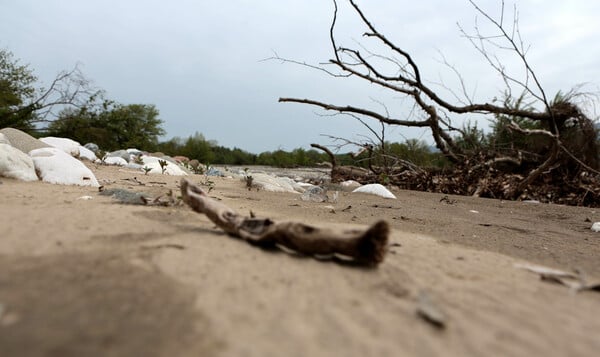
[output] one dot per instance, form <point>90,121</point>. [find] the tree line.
<point>82,113</point>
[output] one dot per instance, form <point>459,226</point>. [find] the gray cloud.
<point>200,62</point>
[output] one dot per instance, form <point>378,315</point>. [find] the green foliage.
<point>132,126</point>
<point>163,166</point>
<point>82,125</point>
<point>503,140</point>
<point>197,147</point>
<point>295,158</point>
<point>235,156</point>
<point>473,139</point>
<point>17,92</point>
<point>194,147</point>
<point>111,126</point>
<point>416,152</point>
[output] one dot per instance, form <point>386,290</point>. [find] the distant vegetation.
<point>208,151</point>
<point>549,154</point>
<point>72,108</point>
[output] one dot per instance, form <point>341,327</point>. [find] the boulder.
<point>153,164</point>
<point>22,141</point>
<point>135,152</point>
<point>69,146</point>
<point>214,172</point>
<point>275,184</point>
<point>181,159</point>
<point>119,153</point>
<point>315,194</point>
<point>4,139</point>
<point>350,185</point>
<point>56,166</point>
<point>93,147</point>
<point>194,164</point>
<point>16,164</point>
<point>87,154</point>
<point>115,160</point>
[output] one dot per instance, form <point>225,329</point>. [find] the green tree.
<point>504,140</point>
<point>111,126</point>
<point>132,126</point>
<point>472,139</point>
<point>16,92</point>
<point>197,147</point>
<point>25,106</point>
<point>81,125</point>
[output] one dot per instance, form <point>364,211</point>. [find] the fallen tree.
<point>565,150</point>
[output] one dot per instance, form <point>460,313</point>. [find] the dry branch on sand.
<point>364,246</point>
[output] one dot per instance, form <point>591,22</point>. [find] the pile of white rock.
<point>273,183</point>
<point>58,160</point>
<point>142,161</point>
<point>25,158</point>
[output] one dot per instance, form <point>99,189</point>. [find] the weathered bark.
<point>335,176</point>
<point>364,246</point>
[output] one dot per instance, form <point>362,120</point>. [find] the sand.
<point>90,277</point>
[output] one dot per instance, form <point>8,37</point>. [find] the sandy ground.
<point>97,278</point>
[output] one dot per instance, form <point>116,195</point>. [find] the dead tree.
<point>408,81</point>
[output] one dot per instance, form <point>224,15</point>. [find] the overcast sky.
<point>200,62</point>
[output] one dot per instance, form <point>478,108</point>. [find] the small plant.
<point>209,184</point>
<point>146,170</point>
<point>138,159</point>
<point>249,181</point>
<point>384,179</point>
<point>101,156</point>
<point>163,165</point>
<point>198,170</point>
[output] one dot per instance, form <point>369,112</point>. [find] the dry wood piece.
<point>365,246</point>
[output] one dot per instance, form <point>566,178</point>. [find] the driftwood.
<point>364,246</point>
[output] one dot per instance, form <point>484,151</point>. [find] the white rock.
<point>85,153</point>
<point>21,140</point>
<point>4,139</point>
<point>152,163</point>
<point>275,184</point>
<point>69,146</point>
<point>304,185</point>
<point>56,166</point>
<point>115,160</point>
<point>376,189</point>
<point>135,152</point>
<point>16,164</point>
<point>134,166</point>
<point>350,184</point>
<point>315,194</point>
<point>596,227</point>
